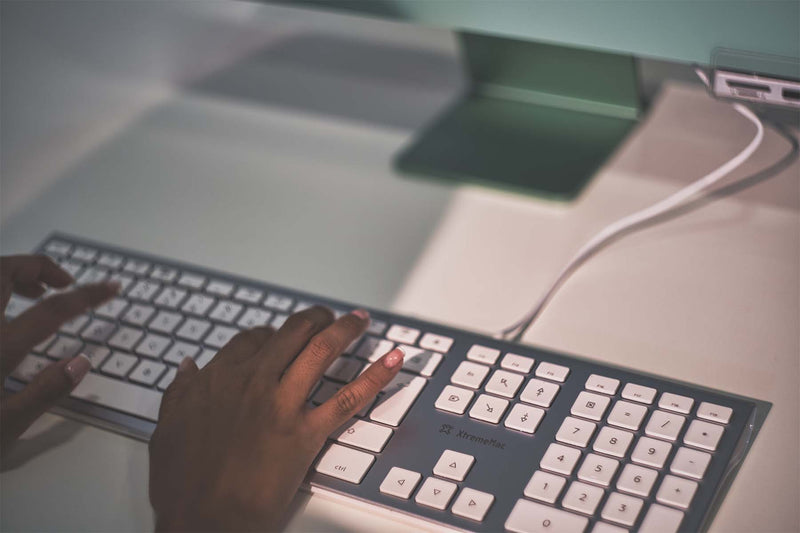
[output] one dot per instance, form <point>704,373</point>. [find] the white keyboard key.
<point>219,287</point>
<point>598,469</point>
<point>532,517</point>
<point>504,383</point>
<point>365,435</point>
<point>400,482</point>
<point>42,346</point>
<point>96,354</point>
<point>582,497</point>
<point>57,248</point>
<point>153,345</point>
<point>119,395</point>
<point>249,295</point>
<point>165,322</point>
<point>198,304</point>
<point>163,273</point>
<point>170,297</point>
<point>627,415</point>
<point>435,493</point>
<point>29,366</point>
<point>517,363</point>
<point>74,326</point>
<point>539,392</point>
<point>602,384</point>
<point>112,261</point>
<point>125,338</point>
<point>373,348</point>
<point>205,357</point>
<point>193,329</point>
<point>437,343</point>
<point>472,504</point>
<point>193,281</point>
<point>622,509</point>
<point>714,412</point>
<point>254,317</point>
<point>639,393</point>
<point>575,431</point>
<point>92,275</point>
<point>544,486</point>
<point>138,314</point>
<point>119,364</point>
<point>278,302</point>
<point>488,408</point>
<point>453,465</point>
<point>147,372</point>
<point>65,347</point>
<point>144,290</point>
<point>524,418</point>
<point>345,463</point>
<point>112,308</point>
<point>422,362</point>
<point>651,452</point>
<point>675,402</point>
<point>602,527</point>
<point>279,320</point>
<point>134,266</point>
<point>220,336</point>
<point>454,399</point>
<point>391,409</point>
<point>376,327</point>
<point>168,378</point>
<point>343,369</point>
<point>72,267</point>
<point>660,519</point>
<point>124,280</point>
<point>664,425</point>
<point>703,435</point>
<point>470,375</point>
<point>226,311</point>
<point>637,480</point>
<point>560,459</point>
<point>676,491</point>
<point>402,334</point>
<point>552,371</point>
<point>179,351</point>
<point>613,441</point>
<point>84,253</point>
<point>17,305</point>
<point>98,330</point>
<point>590,405</point>
<point>690,463</point>
<point>483,354</point>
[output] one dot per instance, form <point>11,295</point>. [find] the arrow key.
<point>472,504</point>
<point>400,482</point>
<point>453,465</point>
<point>436,493</point>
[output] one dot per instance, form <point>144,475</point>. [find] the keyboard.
<point>474,434</point>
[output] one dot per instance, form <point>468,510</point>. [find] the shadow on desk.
<point>30,448</point>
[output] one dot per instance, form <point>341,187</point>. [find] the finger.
<point>31,290</point>
<point>244,345</point>
<point>25,269</point>
<point>320,352</point>
<point>351,398</point>
<point>40,321</point>
<point>187,370</point>
<point>286,343</point>
<point>44,390</point>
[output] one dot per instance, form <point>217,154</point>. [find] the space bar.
<point>119,395</point>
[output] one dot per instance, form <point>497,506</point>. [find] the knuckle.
<point>347,400</point>
<point>323,346</point>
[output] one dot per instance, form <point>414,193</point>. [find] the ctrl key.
<point>531,517</point>
<point>345,463</point>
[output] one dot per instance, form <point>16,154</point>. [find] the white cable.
<point>674,201</point>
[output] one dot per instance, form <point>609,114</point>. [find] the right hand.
<point>235,439</point>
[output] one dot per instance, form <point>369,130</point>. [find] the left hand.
<point>29,276</point>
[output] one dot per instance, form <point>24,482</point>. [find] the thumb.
<point>44,390</point>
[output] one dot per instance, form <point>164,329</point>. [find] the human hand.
<point>29,276</point>
<point>235,439</point>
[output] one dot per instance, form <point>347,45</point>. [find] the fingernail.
<point>184,364</point>
<point>114,285</point>
<point>78,368</point>
<point>394,358</point>
<point>363,314</point>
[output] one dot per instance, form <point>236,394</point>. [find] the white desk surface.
<point>309,200</point>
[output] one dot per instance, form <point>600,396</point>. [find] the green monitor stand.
<point>536,118</point>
